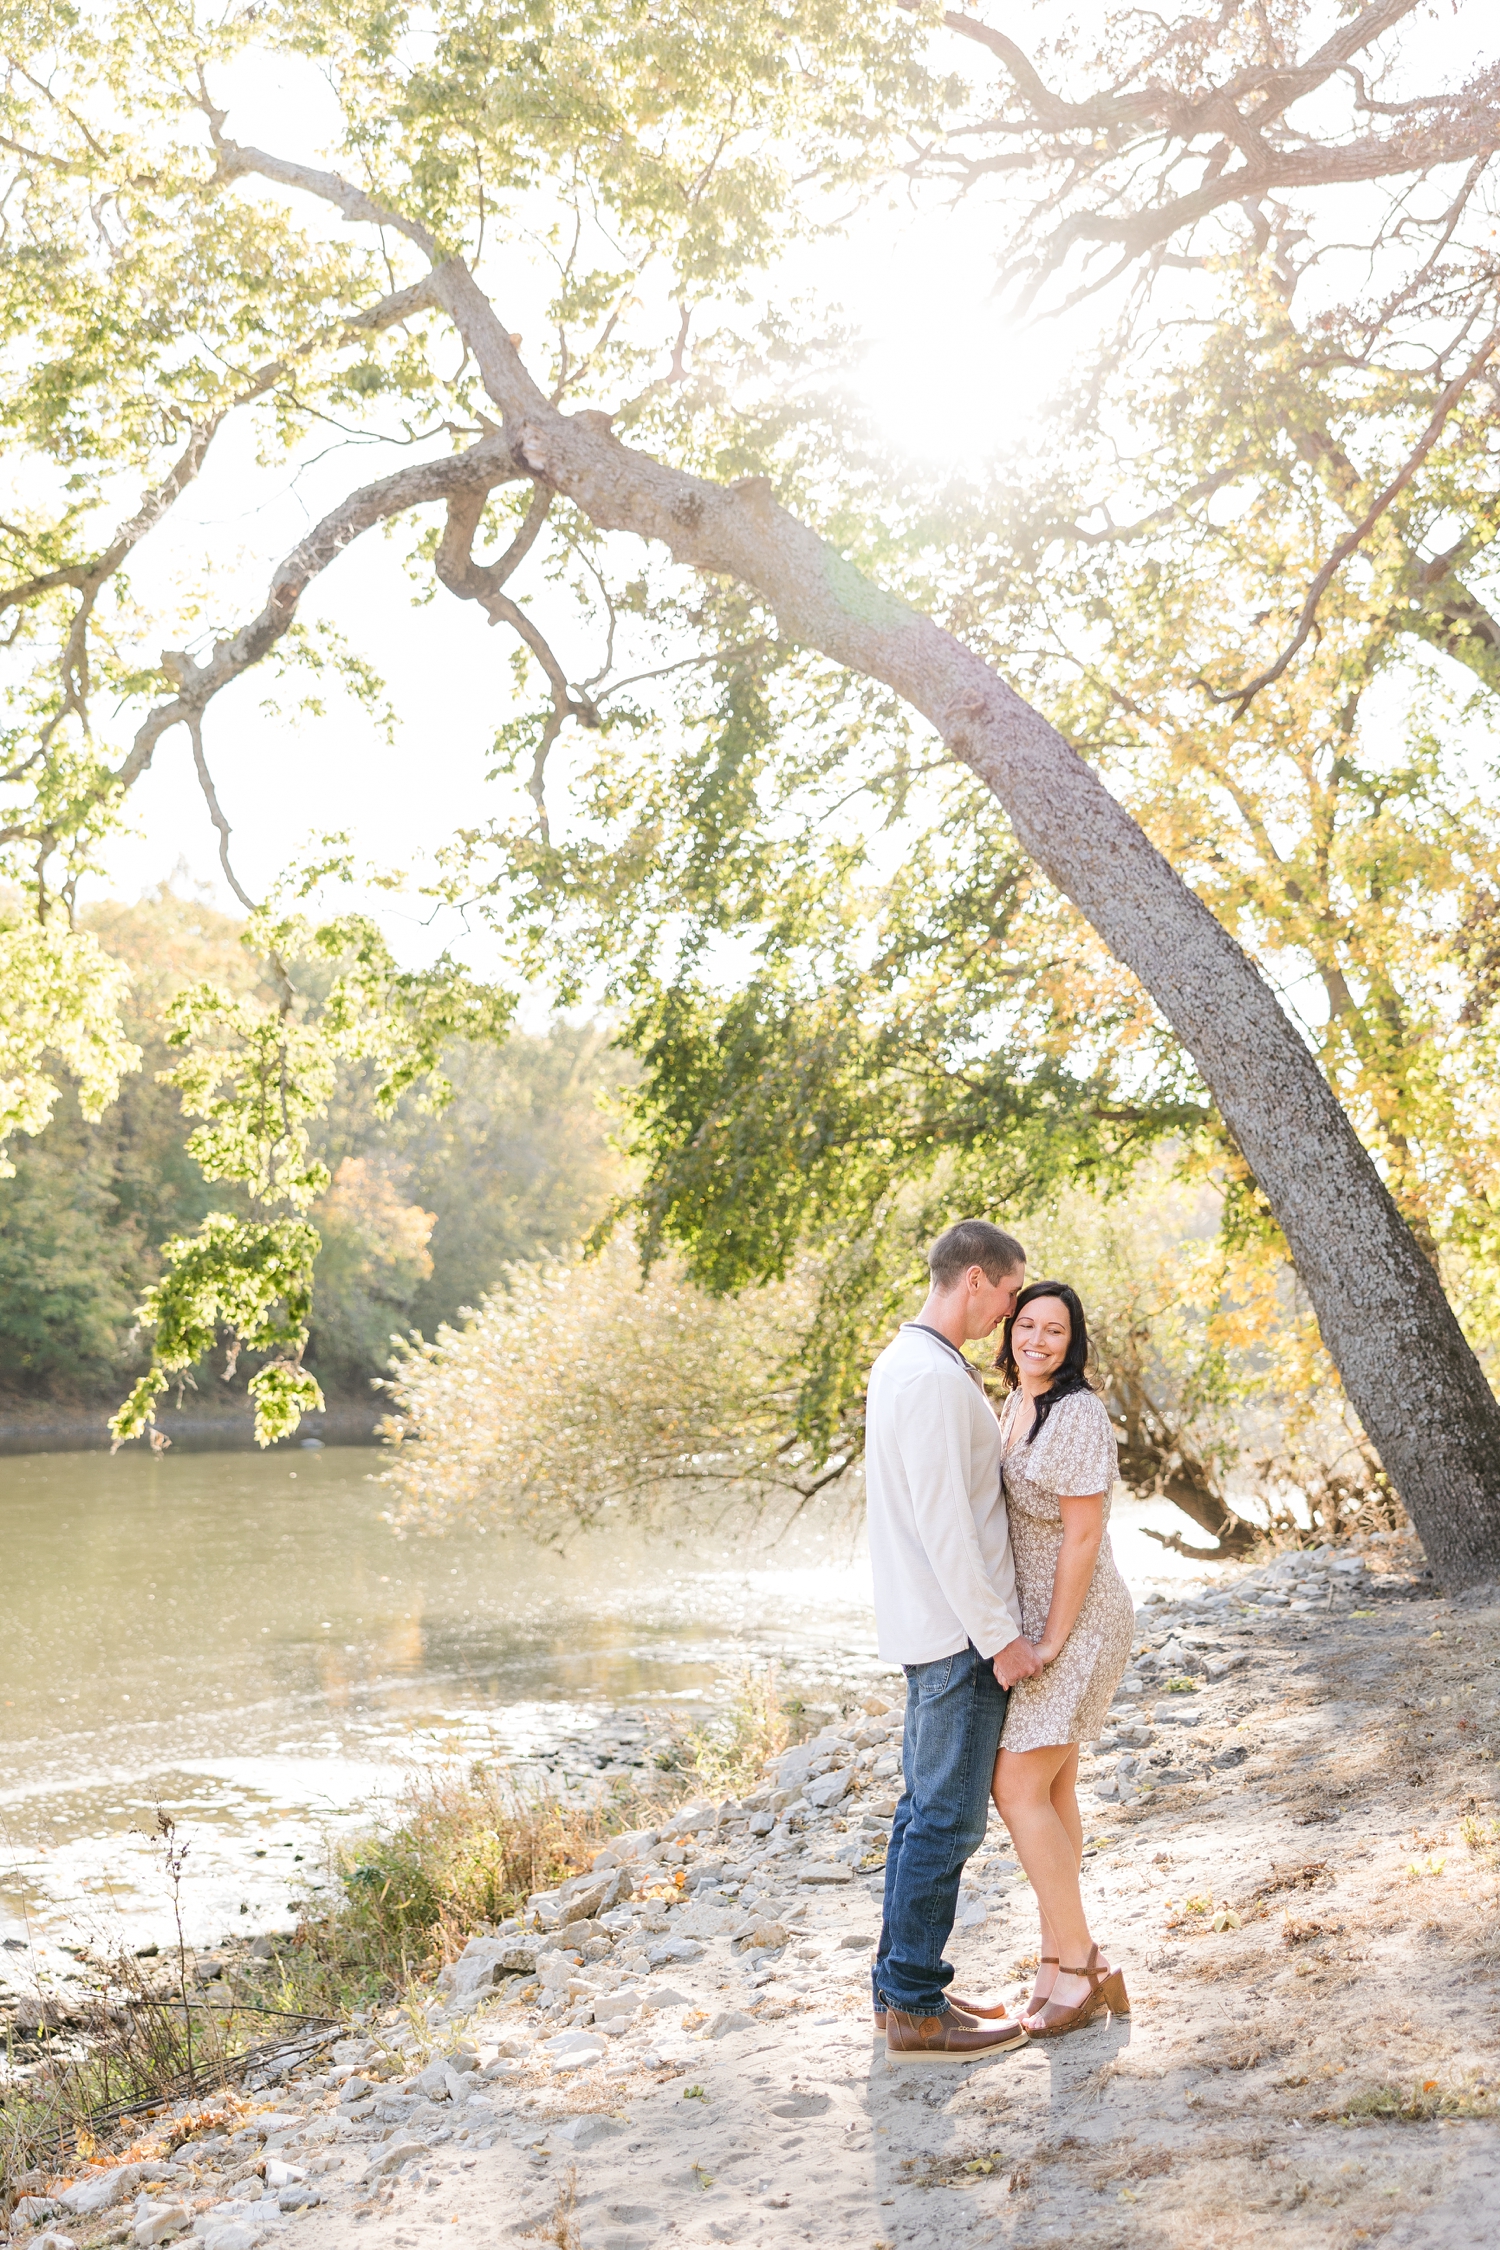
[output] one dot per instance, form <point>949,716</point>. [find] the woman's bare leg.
<point>1048,1840</point>
<point>1064,1795</point>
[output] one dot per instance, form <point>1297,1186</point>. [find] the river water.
<point>239,1640</point>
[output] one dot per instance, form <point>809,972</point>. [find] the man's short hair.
<point>973,1242</point>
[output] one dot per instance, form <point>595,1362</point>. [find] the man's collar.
<point>946,1342</point>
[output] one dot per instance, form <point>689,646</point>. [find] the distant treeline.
<point>423,1212</point>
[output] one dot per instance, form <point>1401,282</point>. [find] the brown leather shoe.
<point>980,2010</point>
<point>949,2037</point>
<point>959,2007</point>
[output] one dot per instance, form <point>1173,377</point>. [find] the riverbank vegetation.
<point>422,1212</point>
<point>581,1393</point>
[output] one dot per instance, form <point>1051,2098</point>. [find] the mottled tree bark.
<point>1409,1372</point>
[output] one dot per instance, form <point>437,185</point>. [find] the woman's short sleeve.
<point>1076,1452</point>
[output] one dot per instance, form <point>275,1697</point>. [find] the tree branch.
<point>1114,534</point>
<point>89,579</point>
<point>1093,139</point>
<point>1243,697</point>
<point>482,583</point>
<point>215,811</point>
<point>478,470</point>
<point>235,163</point>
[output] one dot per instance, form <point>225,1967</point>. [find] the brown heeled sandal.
<point>1047,1961</point>
<point>993,2015</point>
<point>1106,1990</point>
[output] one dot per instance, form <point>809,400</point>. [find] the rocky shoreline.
<point>1293,1851</point>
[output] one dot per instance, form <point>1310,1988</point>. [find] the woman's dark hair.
<point>1070,1376</point>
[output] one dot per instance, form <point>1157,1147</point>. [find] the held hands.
<point>1018,1660</point>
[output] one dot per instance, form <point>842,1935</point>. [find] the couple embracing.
<point>997,1593</point>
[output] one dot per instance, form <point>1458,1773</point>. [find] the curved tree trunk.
<point>1408,1370</point>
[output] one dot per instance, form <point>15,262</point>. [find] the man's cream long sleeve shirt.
<point>939,1537</point>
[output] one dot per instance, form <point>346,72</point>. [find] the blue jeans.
<point>955,1709</point>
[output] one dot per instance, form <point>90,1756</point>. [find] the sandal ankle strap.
<point>1096,1976</point>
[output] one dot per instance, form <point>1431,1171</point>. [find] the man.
<point>946,1610</point>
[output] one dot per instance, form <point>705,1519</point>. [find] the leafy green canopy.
<point>648,157</point>
<point>854,1001</point>
<point>1247,564</point>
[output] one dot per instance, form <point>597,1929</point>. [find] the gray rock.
<point>53,2241</point>
<point>390,2159</point>
<point>433,2081</point>
<point>794,1766</point>
<point>585,2132</point>
<point>425,2117</point>
<point>301,2196</point>
<point>158,2222</point>
<point>582,1899</point>
<point>762,1936</point>
<point>727,2021</point>
<point>635,1842</point>
<point>100,2191</point>
<point>691,1820</point>
<point>484,1962</point>
<point>830,1788</point>
<point>31,2210</point>
<point>825,1872</point>
<point>1234,1754</point>
<point>674,1949</point>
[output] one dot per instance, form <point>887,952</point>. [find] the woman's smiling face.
<point>1040,1335</point>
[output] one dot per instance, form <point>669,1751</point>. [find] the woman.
<point>1058,1464</point>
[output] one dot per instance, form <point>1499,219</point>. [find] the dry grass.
<point>561,2228</point>
<point>462,1851</point>
<point>138,2039</point>
<point>728,1755</point>
<point>1426,2099</point>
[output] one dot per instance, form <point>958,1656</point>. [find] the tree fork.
<point>1406,1364</point>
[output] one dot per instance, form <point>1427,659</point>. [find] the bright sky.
<point>943,374</point>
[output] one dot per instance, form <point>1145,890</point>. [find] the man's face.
<point>990,1302</point>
